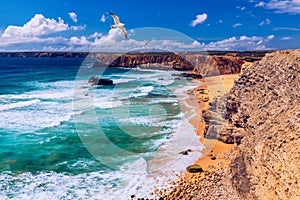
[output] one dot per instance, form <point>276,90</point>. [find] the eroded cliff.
<point>264,109</point>
<point>201,63</point>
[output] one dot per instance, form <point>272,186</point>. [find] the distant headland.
<point>205,63</point>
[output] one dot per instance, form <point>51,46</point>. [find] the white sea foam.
<point>140,120</point>
<point>163,100</point>
<point>184,137</point>
<point>122,80</point>
<point>42,115</point>
<point>18,105</point>
<point>78,112</point>
<point>142,91</point>
<point>58,90</point>
<point>48,139</point>
<point>108,104</point>
<point>37,109</point>
<point>94,185</point>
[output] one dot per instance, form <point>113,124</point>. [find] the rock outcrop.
<point>105,81</point>
<point>263,113</point>
<point>211,65</point>
<point>162,60</point>
<point>201,63</point>
<point>102,81</point>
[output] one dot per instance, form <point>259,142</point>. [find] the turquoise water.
<point>64,139</point>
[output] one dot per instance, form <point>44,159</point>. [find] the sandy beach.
<point>209,89</point>
<point>213,162</point>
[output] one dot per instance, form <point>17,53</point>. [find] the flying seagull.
<point>118,24</point>
<point>146,42</point>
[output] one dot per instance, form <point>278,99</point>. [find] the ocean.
<point>62,138</point>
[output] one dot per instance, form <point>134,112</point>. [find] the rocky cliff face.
<point>163,60</point>
<point>202,63</point>
<point>263,109</point>
<point>212,65</point>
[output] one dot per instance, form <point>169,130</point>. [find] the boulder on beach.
<point>194,168</point>
<point>186,152</point>
<point>102,81</point>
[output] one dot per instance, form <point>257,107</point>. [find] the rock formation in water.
<point>102,81</point>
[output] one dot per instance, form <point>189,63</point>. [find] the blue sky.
<point>82,25</point>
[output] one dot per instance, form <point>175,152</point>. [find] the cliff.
<point>161,60</point>
<point>263,109</point>
<point>262,120</point>
<point>201,63</point>
<point>213,65</point>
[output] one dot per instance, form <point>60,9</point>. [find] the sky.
<point>84,25</point>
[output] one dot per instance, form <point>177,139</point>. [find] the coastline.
<point>213,158</point>
<point>213,155</point>
<point>245,169</point>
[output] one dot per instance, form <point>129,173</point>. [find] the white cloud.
<point>114,42</point>
<point>34,34</point>
<point>281,6</point>
<point>287,29</point>
<point>270,37</point>
<point>77,28</point>
<point>260,4</point>
<point>37,26</point>
<point>96,35</point>
<point>199,19</point>
<point>241,43</point>
<point>286,38</point>
<point>103,18</point>
<point>237,25</point>
<point>285,6</point>
<point>73,16</point>
<point>241,8</point>
<point>35,31</point>
<point>9,42</point>
<point>75,41</point>
<point>265,22</point>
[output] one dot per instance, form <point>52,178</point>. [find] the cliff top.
<point>84,54</point>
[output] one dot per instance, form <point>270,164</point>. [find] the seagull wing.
<point>124,31</point>
<point>147,42</point>
<point>115,17</point>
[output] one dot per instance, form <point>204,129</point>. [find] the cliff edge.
<point>262,120</point>
<point>264,109</point>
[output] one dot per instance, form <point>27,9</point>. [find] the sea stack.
<point>102,81</point>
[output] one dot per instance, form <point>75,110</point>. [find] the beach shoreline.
<point>212,158</point>
<point>213,154</point>
<point>239,167</point>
